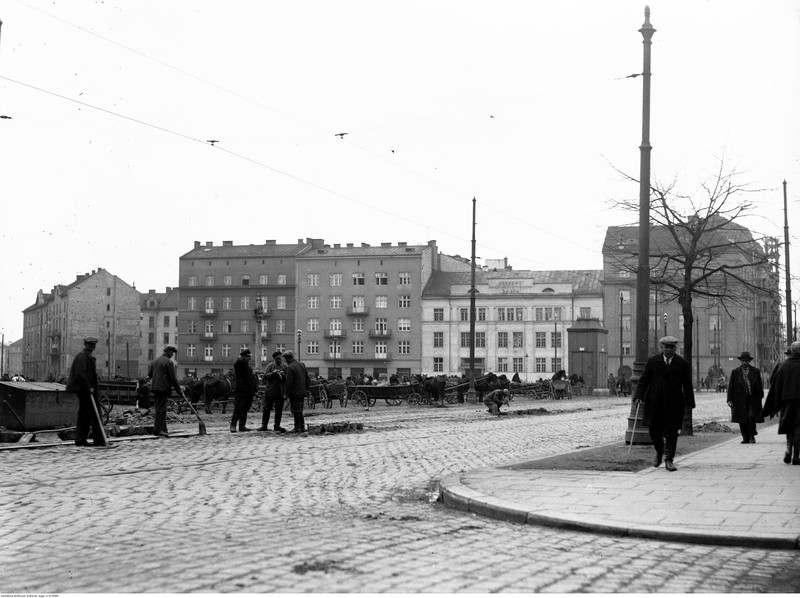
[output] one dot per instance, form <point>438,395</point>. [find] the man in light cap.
<point>784,398</point>
<point>246,388</point>
<point>162,382</point>
<point>83,381</point>
<point>745,391</point>
<point>273,394</point>
<point>665,387</point>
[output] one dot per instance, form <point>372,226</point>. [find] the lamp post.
<point>665,323</point>
<point>621,299</point>
<point>299,346</point>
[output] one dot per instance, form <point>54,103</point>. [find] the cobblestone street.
<point>346,512</point>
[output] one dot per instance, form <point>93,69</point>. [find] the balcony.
<point>361,310</point>
<point>266,335</point>
<point>380,334</point>
<point>335,333</point>
<point>358,357</point>
<point>209,312</point>
<point>208,336</point>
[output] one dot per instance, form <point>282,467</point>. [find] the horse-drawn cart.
<point>561,389</point>
<point>317,394</point>
<point>392,394</point>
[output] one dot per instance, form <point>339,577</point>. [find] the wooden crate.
<point>40,406</point>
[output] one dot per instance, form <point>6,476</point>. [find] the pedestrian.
<point>83,381</point>
<point>745,392</point>
<point>274,377</point>
<point>246,388</point>
<point>297,383</point>
<point>784,398</point>
<point>162,382</point>
<point>665,387</point>
<point>143,395</point>
<point>496,399</point>
<point>612,385</point>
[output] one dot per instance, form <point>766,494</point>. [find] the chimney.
<point>337,245</point>
<point>270,242</point>
<point>209,243</point>
<point>349,244</point>
<point>299,241</point>
<point>151,292</point>
<point>196,244</point>
<point>365,245</point>
<point>401,243</point>
<point>227,243</point>
<point>386,244</point>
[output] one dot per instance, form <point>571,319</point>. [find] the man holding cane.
<point>83,381</point>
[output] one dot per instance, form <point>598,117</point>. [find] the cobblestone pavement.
<point>347,512</point>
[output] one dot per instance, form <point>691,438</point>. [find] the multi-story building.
<point>233,297</point>
<point>749,322</point>
<point>159,325</point>
<point>359,308</point>
<point>13,358</point>
<point>521,319</point>
<point>99,304</point>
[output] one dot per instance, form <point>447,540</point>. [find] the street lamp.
<point>665,323</point>
<point>621,299</point>
<point>299,340</point>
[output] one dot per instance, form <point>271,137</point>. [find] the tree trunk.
<point>685,300</point>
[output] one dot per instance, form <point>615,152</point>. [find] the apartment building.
<point>159,325</point>
<point>97,304</point>
<point>522,319</point>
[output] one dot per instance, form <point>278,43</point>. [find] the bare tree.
<point>697,249</point>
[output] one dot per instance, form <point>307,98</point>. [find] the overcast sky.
<point>524,105</point>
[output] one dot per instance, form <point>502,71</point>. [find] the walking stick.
<point>100,427</point>
<point>202,430</point>
<point>633,432</point>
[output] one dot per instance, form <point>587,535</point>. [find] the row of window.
<point>380,350</point>
<point>515,341</point>
<point>511,314</point>
<point>359,302</point>
<point>227,326</point>
<point>359,279</point>
<point>381,325</point>
<point>227,303</point>
<point>517,364</point>
<point>227,280</point>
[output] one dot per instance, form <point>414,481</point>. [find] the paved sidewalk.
<point>728,494</point>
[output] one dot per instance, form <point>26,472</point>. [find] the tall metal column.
<point>789,333</point>
<point>472,396</point>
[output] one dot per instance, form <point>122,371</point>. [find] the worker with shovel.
<point>163,380</point>
<point>83,381</point>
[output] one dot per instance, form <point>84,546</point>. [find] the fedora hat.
<point>745,356</point>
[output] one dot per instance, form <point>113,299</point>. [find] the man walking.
<point>666,390</point>
<point>784,397</point>
<point>745,391</point>
<point>163,381</point>
<point>297,383</point>
<point>83,381</point>
<point>273,394</point>
<point>246,388</point>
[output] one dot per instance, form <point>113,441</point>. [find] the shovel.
<point>99,422</point>
<point>27,436</point>
<point>202,430</point>
<point>633,432</point>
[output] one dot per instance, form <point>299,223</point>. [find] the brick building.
<point>159,325</point>
<point>97,304</point>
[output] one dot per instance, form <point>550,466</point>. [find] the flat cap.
<point>288,354</point>
<point>668,340</point>
<point>90,340</point>
<point>245,352</point>
<point>277,354</point>
<point>172,348</point>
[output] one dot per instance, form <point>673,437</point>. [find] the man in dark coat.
<point>162,382</point>
<point>784,398</point>
<point>297,383</point>
<point>83,381</point>
<point>666,389</point>
<point>273,394</point>
<point>745,391</point>
<point>246,388</point>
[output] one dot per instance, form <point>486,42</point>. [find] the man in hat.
<point>784,398</point>
<point>665,387</point>
<point>745,391</point>
<point>162,382</point>
<point>496,399</point>
<point>273,394</point>
<point>246,388</point>
<point>297,383</point>
<point>83,381</point>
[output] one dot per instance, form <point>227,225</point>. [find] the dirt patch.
<point>615,457</point>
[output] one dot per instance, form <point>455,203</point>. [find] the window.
<point>209,304</point>
<point>190,350</point>
<point>404,324</point>
<point>264,353</point>
<point>312,324</point>
<point>227,327</point>
<point>245,280</point>
<point>226,303</point>
<point>463,314</point>
<point>358,347</point>
<point>626,322</point>
<point>626,296</point>
<point>281,280</point>
<point>280,325</point>
<point>548,313</point>
<point>336,280</point>
<point>358,303</point>
<point>481,314</point>
<point>404,348</point>
<point>166,338</point>
<point>313,302</point>
<point>245,303</point>
<point>191,303</point>
<point>438,339</point>
<point>509,313</point>
<point>226,350</point>
<point>585,313</point>
<point>381,325</point>
<point>151,338</point>
<point>556,361</point>
<point>313,280</point>
<point>480,339</point>
<point>624,273</point>
<point>243,325</point>
<point>358,279</point>
<point>335,326</point>
<point>438,364</point>
<point>191,327</point>
<point>465,340</point>
<point>192,281</point>
<point>541,340</point>
<point>336,301</point>
<point>210,280</point>
<point>166,321</point>
<point>381,278</point>
<point>502,340</point>
<point>227,280</point>
<point>626,348</point>
<point>502,364</point>
<point>281,302</point>
<point>541,365</point>
<point>404,278</point>
<point>714,323</point>
<point>555,340</point>
<point>312,348</point>
<point>151,322</point>
<point>380,350</point>
<point>358,325</point>
<point>209,353</point>
<point>404,301</point>
<point>381,301</point>
<point>713,348</point>
<point>438,314</point>
<point>518,340</point>
<point>263,279</point>
<point>517,364</point>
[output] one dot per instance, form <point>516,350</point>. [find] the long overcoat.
<point>668,388</point>
<point>737,394</point>
<point>784,394</point>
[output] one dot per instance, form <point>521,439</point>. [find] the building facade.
<point>13,358</point>
<point>521,317</point>
<point>159,325</point>
<point>97,304</point>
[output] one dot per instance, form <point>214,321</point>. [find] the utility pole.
<point>789,329</point>
<point>555,347</point>
<point>643,265</point>
<point>621,299</point>
<point>471,394</point>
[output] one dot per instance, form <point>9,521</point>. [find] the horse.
<point>489,382</point>
<point>217,388</point>
<point>435,387</point>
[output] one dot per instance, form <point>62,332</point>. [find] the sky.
<point>107,162</point>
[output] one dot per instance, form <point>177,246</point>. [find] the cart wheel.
<point>310,402</point>
<point>393,400</point>
<point>360,397</point>
<point>414,398</point>
<point>105,408</point>
<point>450,396</point>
